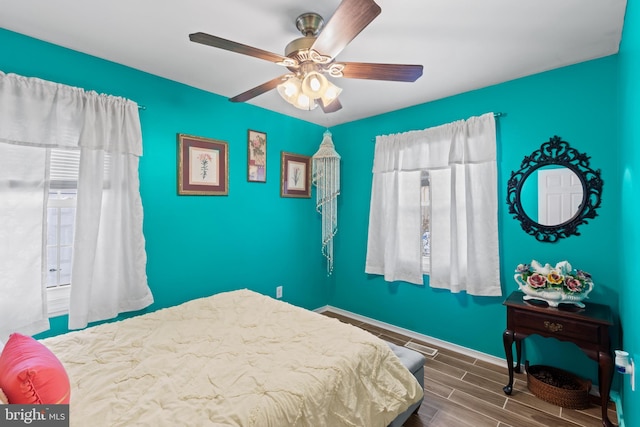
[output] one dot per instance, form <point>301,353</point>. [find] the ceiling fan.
<point>312,56</point>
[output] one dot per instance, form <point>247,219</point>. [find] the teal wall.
<point>578,103</point>
<point>200,245</point>
<point>629,181</point>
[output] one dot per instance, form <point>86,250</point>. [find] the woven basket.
<point>558,387</point>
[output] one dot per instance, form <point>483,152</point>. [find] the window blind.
<point>63,168</point>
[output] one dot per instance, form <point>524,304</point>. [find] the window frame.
<point>58,296</point>
<point>63,175</point>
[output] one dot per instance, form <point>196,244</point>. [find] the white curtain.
<point>461,160</point>
<point>22,204</point>
<point>109,259</point>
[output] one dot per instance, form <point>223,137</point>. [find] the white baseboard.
<point>424,338</point>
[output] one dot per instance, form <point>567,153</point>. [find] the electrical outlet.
<point>279,292</point>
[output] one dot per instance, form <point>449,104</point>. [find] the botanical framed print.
<point>256,156</point>
<point>295,175</point>
<point>203,166</point>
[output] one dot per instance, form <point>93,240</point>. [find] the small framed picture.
<point>295,175</point>
<point>256,156</point>
<point>203,166</point>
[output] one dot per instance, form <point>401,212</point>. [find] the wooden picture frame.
<point>295,175</point>
<point>256,156</point>
<point>203,166</point>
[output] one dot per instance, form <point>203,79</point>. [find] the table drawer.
<point>558,327</point>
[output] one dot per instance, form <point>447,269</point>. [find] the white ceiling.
<point>462,44</point>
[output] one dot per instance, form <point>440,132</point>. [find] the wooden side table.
<point>588,328</point>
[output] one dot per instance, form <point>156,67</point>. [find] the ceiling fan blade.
<point>335,105</point>
<point>258,90</point>
<point>371,71</point>
<point>351,17</point>
<point>225,44</point>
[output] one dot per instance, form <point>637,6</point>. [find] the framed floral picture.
<point>203,166</point>
<point>256,156</point>
<point>295,175</point>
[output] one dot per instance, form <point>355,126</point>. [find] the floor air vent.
<point>421,348</point>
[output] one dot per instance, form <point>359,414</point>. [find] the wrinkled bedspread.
<point>233,359</point>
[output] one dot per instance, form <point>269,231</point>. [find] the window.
<point>425,213</point>
<point>462,225</point>
<point>61,214</point>
<point>110,222</point>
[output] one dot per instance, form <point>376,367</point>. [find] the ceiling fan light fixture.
<point>289,89</point>
<point>304,102</point>
<point>303,91</point>
<point>330,94</point>
<point>314,84</point>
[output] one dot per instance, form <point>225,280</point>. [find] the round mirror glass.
<point>552,195</point>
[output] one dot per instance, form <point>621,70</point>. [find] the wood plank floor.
<point>462,391</point>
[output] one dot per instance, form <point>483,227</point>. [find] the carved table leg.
<point>518,353</point>
<point>507,338</point>
<point>605,374</point>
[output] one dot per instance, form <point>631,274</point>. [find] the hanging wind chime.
<point>326,178</point>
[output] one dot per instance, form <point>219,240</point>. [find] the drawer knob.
<point>553,327</point>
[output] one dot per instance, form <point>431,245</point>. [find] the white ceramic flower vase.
<point>553,297</point>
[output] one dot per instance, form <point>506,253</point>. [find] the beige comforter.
<point>234,359</point>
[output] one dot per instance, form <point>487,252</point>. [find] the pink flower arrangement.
<point>562,277</point>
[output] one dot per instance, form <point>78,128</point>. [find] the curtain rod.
<point>496,115</point>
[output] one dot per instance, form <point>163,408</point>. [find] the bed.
<point>233,359</point>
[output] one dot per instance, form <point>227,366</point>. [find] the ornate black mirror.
<point>554,191</point>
